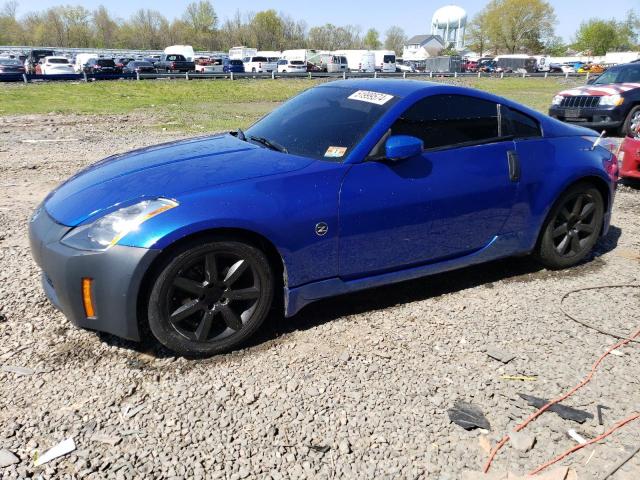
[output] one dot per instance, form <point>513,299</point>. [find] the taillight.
<point>173,65</point>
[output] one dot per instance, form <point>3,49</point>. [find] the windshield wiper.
<point>268,143</point>
<point>239,135</point>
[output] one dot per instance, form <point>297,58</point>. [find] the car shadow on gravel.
<point>522,269</point>
<point>276,327</point>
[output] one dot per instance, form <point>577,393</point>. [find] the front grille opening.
<point>580,101</point>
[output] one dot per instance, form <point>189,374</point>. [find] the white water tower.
<point>450,23</point>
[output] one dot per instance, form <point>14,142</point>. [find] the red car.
<point>630,157</point>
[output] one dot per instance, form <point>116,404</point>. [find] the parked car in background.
<point>516,63</point>
<point>139,66</point>
<point>629,157</point>
<point>185,50</point>
<point>123,61</point>
<point>561,68</point>
<point>487,65</point>
<point>470,66</point>
<point>350,185</point>
<point>258,64</point>
<point>174,63</point>
<point>593,68</point>
<point>11,65</point>
<point>359,60</point>
<point>609,102</point>
<point>235,65</point>
<point>214,65</point>
<point>291,66</point>
<point>385,61</point>
<point>337,64</point>
<point>34,58</point>
<point>101,65</point>
<point>81,60</point>
<point>405,67</point>
<point>55,66</point>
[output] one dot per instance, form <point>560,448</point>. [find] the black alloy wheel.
<point>572,228</point>
<point>210,298</point>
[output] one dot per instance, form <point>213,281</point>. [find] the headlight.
<point>557,100</point>
<point>108,230</point>
<point>611,100</point>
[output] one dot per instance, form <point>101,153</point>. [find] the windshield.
<point>58,60</point>
<point>620,75</point>
<point>323,123</point>
<point>389,58</point>
<point>9,61</point>
<point>106,63</point>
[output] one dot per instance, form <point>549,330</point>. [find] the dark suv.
<point>609,102</point>
<point>102,65</point>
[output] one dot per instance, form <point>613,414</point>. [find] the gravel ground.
<point>357,386</point>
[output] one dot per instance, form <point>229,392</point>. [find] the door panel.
<point>439,205</point>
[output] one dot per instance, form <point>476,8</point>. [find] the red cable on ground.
<point>582,445</point>
<point>543,409</point>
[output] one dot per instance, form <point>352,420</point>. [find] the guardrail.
<point>86,77</point>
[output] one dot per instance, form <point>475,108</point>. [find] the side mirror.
<point>399,147</point>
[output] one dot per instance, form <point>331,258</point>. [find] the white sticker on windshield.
<point>370,97</point>
<point>335,152</point>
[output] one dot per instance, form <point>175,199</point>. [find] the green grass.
<point>214,105</point>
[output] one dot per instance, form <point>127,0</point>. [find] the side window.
<point>449,120</point>
<point>518,124</point>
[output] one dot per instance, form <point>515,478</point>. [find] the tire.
<point>572,227</point>
<point>209,298</point>
<point>631,125</point>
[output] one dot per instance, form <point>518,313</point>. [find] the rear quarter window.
<point>519,124</point>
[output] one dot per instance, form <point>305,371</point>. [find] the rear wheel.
<point>631,125</point>
<point>572,227</point>
<point>209,298</point>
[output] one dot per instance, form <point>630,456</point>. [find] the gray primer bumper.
<point>117,274</point>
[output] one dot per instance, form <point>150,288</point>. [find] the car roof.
<point>399,88</point>
<point>405,88</point>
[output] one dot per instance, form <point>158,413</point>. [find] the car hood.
<point>600,90</point>
<point>168,170</point>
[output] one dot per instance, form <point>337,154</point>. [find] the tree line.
<point>518,26</point>
<point>199,25</point>
<point>503,26</point>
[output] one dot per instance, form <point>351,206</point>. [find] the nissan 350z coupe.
<point>350,185</point>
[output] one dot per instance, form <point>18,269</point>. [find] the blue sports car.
<point>350,185</point>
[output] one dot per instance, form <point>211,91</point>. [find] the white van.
<point>240,53</point>
<point>81,60</point>
<point>359,60</point>
<point>297,54</point>
<point>542,63</point>
<point>385,60</point>
<point>185,50</point>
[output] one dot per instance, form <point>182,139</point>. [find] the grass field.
<point>215,105</point>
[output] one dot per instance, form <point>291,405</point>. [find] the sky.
<point>412,15</point>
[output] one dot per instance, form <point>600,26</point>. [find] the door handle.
<point>514,165</point>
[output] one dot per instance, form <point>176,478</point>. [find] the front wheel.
<point>572,227</point>
<point>631,125</point>
<point>210,298</point>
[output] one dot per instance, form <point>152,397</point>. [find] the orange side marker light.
<point>87,299</point>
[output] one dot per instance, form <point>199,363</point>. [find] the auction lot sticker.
<point>335,152</point>
<point>370,97</point>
